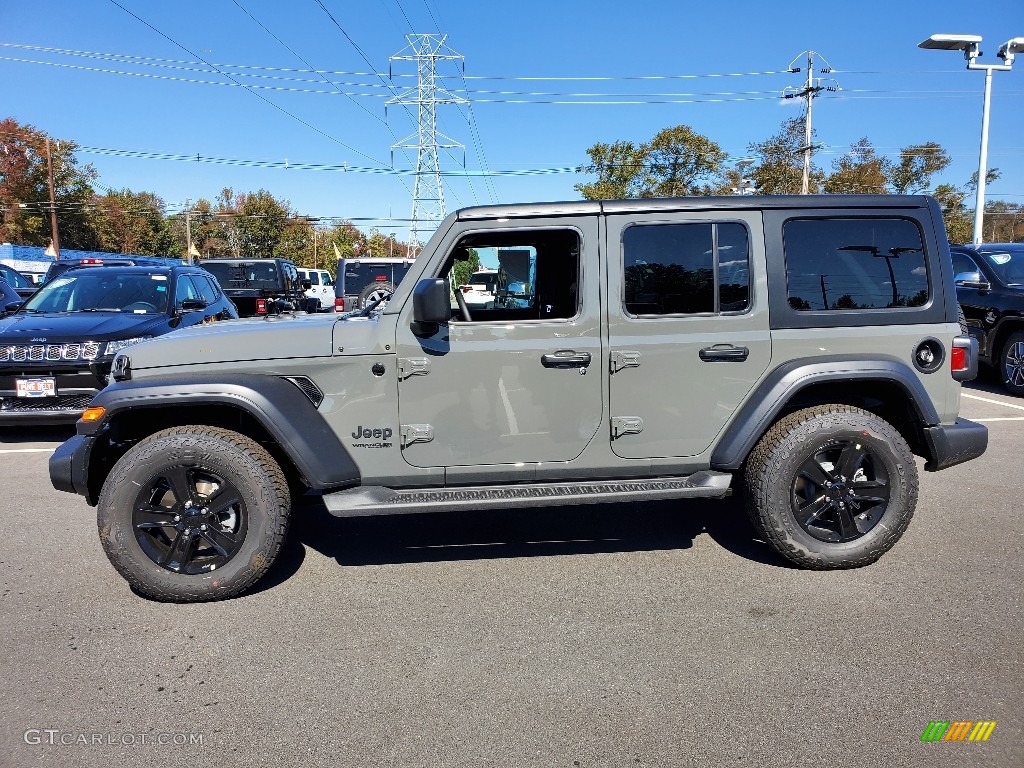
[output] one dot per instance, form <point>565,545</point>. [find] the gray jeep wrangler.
<point>806,347</point>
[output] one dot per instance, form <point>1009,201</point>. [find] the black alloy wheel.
<point>840,492</point>
<point>189,520</point>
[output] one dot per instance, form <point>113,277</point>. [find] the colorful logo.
<point>959,730</point>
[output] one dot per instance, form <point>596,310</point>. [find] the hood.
<point>73,327</point>
<point>229,341</point>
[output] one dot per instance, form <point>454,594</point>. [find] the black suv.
<point>56,350</point>
<point>990,288</point>
<point>261,287</point>
<point>360,282</point>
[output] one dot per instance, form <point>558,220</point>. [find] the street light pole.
<point>969,44</point>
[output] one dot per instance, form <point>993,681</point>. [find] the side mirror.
<point>972,280</point>
<point>191,305</point>
<point>14,306</point>
<point>430,305</point>
<point>307,284</point>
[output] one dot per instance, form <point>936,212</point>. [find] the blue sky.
<point>893,92</point>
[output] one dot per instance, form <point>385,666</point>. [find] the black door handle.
<point>566,358</point>
<point>724,354</point>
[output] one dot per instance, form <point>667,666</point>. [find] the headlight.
<point>113,347</point>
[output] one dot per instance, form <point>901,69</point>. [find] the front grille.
<point>37,353</point>
<point>44,404</point>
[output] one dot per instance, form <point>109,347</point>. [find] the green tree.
<point>918,164</point>
<point>779,170</point>
<point>24,189</point>
<point>859,171</point>
<point>463,270</point>
<point>958,219</point>
<point>677,161</point>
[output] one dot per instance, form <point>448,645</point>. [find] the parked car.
<point>990,288</point>
<point>60,266</point>
<point>321,288</point>
<point>479,291</point>
<point>261,287</point>
<point>56,349</point>
<point>9,298</point>
<point>17,281</point>
<point>362,281</point>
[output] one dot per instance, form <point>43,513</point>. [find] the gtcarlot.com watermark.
<point>56,737</point>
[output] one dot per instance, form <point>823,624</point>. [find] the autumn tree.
<point>24,189</point>
<point>129,222</point>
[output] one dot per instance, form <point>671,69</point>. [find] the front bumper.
<point>952,444</point>
<point>69,465</point>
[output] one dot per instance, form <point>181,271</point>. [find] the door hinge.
<point>620,360</point>
<point>413,366</point>
<point>626,425</point>
<point>416,433</point>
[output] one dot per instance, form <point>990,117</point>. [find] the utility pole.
<point>188,231</point>
<point>428,193</point>
<point>811,87</point>
<point>53,203</point>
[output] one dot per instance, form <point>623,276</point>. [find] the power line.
<point>247,88</point>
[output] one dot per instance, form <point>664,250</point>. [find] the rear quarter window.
<point>842,264</point>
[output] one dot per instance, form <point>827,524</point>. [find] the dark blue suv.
<point>56,349</point>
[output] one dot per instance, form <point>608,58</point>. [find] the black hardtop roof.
<point>242,260</point>
<point>728,202</point>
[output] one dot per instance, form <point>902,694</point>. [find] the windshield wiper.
<point>97,309</point>
<point>365,311</point>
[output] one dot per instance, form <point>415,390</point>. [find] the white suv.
<point>321,287</point>
<point>479,291</point>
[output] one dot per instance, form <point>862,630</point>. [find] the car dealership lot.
<point>658,634</point>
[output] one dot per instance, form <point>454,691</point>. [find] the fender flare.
<point>278,405</point>
<point>769,398</point>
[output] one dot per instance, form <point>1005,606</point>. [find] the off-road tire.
<point>264,510</point>
<point>1011,363</point>
<point>962,319</point>
<point>776,476</point>
<point>371,291</point>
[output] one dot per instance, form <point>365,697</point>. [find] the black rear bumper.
<point>952,444</point>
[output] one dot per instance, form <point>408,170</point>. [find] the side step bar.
<point>377,500</point>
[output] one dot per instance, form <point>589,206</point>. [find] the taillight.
<point>261,306</point>
<point>339,304</point>
<point>957,359</point>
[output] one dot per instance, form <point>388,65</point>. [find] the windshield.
<point>244,274</point>
<point>1009,265</point>
<point>101,291</point>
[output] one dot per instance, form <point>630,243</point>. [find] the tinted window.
<point>244,274</point>
<point>185,290</point>
<point>840,264</point>
<point>206,287</point>
<point>670,269</point>
<point>314,278</point>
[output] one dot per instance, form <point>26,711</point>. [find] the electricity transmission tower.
<point>811,87</point>
<point>428,193</point>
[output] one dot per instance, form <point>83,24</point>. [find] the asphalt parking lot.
<point>648,635</point>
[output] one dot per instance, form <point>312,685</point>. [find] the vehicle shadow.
<point>533,532</point>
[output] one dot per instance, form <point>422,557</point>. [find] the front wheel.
<point>831,487</point>
<point>1011,363</point>
<point>194,513</point>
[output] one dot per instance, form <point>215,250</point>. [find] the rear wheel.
<point>194,513</point>
<point>1011,363</point>
<point>831,487</point>
<point>373,292</point>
